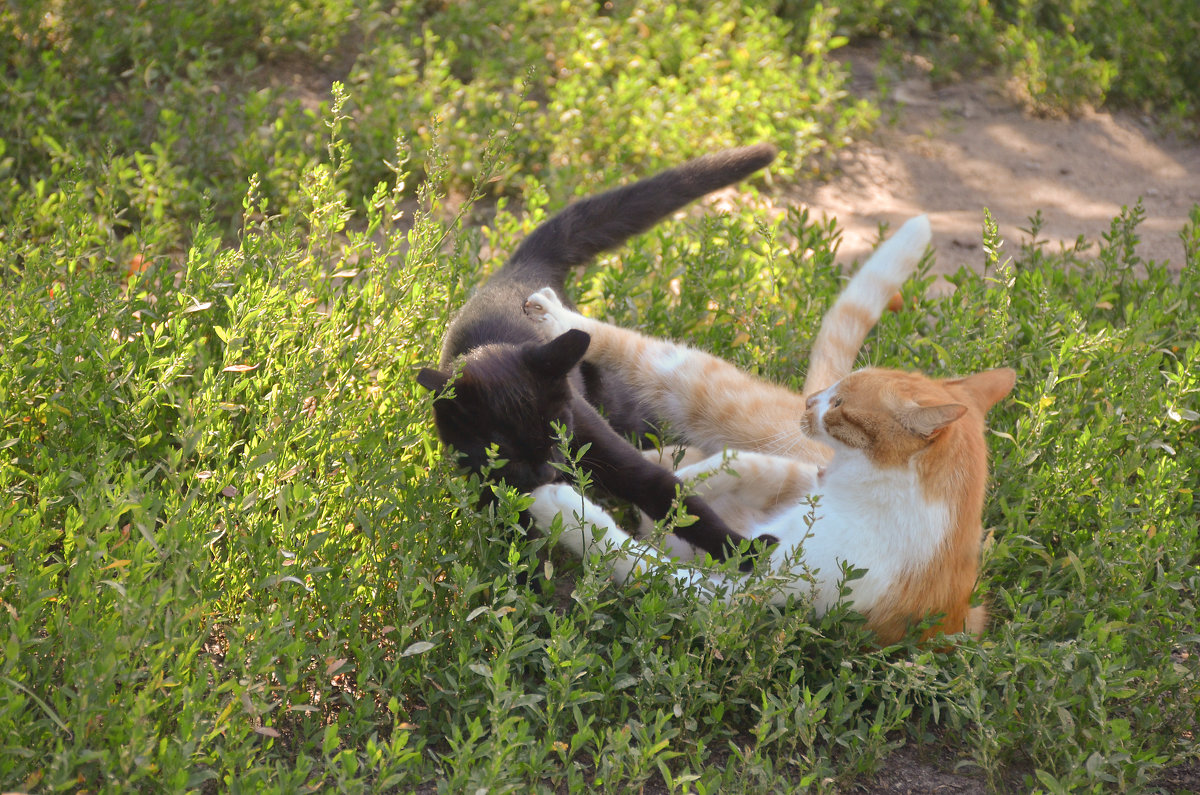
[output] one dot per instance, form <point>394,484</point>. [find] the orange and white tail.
<point>861,303</point>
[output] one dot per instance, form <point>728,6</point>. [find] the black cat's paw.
<point>760,546</point>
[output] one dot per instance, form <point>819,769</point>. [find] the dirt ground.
<point>957,149</point>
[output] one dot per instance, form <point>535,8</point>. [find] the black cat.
<point>512,385</point>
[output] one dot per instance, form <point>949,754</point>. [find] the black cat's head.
<point>509,395</point>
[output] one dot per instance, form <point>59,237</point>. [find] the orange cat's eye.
<point>837,401</point>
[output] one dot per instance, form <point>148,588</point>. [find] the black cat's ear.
<point>555,358</point>
<point>433,380</point>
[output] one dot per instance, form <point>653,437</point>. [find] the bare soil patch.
<point>956,149</point>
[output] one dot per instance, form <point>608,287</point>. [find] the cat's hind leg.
<point>675,456</point>
<point>579,515</point>
<point>706,400</point>
<point>746,490</point>
<point>644,360</point>
<point>544,308</point>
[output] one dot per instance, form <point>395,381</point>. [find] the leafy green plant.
<point>177,122</point>
<point>232,555</point>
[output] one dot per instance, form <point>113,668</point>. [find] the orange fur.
<point>745,488</point>
<point>950,456</point>
<point>901,498</point>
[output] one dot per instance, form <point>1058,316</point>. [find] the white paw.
<point>544,307</point>
<point>560,499</point>
<point>551,500</point>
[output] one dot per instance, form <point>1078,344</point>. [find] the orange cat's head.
<point>900,423</point>
<point>891,416</point>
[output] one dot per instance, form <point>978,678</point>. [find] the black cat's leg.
<point>619,468</point>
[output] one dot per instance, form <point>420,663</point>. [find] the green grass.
<point>163,110</point>
<point>232,556</point>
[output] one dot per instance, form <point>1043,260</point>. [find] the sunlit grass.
<point>232,554</point>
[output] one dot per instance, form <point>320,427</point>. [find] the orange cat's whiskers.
<point>781,442</point>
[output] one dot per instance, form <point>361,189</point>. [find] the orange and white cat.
<point>896,461</point>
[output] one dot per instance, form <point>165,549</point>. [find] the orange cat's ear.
<point>928,421</point>
<point>990,386</point>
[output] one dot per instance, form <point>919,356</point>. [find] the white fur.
<point>587,529</point>
<point>544,308</point>
<point>891,263</point>
<point>679,357</point>
<point>819,404</point>
<point>866,517</point>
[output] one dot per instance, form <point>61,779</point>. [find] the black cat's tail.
<point>604,221</point>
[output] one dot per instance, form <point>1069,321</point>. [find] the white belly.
<point>866,518</point>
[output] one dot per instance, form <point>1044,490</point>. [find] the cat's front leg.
<point>619,468</point>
